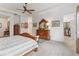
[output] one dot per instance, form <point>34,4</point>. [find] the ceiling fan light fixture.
<point>26,10</point>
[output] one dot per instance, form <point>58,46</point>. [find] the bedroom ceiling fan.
<point>26,10</point>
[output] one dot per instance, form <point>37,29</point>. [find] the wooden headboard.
<point>28,35</point>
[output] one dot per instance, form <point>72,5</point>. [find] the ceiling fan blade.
<point>23,12</point>
<point>29,12</point>
<point>24,8</point>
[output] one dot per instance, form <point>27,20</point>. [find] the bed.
<point>16,45</point>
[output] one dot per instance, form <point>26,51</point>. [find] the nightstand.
<point>6,33</point>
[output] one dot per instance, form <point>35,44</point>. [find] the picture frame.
<point>67,29</point>
<point>35,24</point>
<point>56,23</point>
<point>24,25</point>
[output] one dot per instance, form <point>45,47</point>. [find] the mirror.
<point>67,29</point>
<point>77,27</point>
<point>4,26</point>
<point>43,24</point>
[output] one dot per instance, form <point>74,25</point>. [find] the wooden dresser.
<point>43,34</point>
<point>43,31</point>
<point>16,29</point>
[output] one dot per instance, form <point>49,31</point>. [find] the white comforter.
<point>16,45</point>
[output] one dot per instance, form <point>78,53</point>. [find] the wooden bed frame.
<point>30,36</point>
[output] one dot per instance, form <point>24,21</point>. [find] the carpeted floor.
<point>52,48</point>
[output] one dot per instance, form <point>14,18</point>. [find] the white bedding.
<point>16,45</point>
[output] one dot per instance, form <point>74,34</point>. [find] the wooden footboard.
<point>34,38</point>
<point>36,49</point>
<point>29,35</point>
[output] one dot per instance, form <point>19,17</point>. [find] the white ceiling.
<point>37,6</point>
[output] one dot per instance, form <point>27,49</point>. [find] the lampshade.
<point>47,24</point>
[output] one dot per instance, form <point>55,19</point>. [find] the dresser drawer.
<point>43,34</point>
